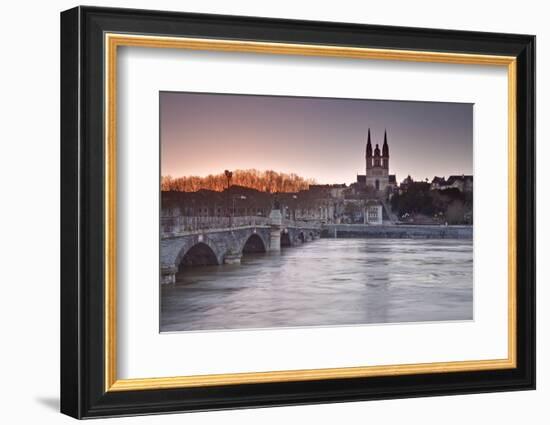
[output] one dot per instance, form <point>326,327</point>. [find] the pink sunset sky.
<point>319,138</point>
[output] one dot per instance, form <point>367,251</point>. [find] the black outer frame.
<point>82,212</point>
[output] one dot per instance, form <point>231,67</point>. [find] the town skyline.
<point>322,139</point>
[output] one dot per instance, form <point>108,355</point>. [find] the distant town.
<point>374,198</point>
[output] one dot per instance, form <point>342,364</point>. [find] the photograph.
<point>287,211</point>
<point>279,210</point>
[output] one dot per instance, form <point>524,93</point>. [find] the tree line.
<point>265,181</point>
<point>451,205</point>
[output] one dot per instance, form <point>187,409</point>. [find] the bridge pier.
<point>275,223</point>
<point>275,239</point>
<point>168,275</point>
<point>232,258</point>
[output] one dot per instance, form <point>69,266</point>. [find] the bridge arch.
<point>254,244</point>
<point>199,253</point>
<point>286,239</point>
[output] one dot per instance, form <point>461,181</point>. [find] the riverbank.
<point>399,231</point>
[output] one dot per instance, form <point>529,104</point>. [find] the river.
<point>327,282</point>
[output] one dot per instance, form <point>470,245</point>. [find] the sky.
<point>319,138</point>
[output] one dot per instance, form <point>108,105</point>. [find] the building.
<point>464,183</point>
<point>235,201</point>
<point>377,167</point>
<point>373,213</point>
<point>333,190</point>
<point>438,183</point>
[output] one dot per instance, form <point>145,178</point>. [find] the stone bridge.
<point>228,245</point>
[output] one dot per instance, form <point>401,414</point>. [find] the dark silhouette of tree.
<point>452,204</point>
<point>455,212</point>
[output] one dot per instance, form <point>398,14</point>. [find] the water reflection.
<point>327,282</point>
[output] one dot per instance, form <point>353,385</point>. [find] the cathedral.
<point>377,169</point>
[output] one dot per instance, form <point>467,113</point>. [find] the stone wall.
<point>396,231</point>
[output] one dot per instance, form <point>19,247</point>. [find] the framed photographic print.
<point>261,212</point>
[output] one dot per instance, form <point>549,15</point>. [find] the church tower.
<point>385,153</point>
<point>368,155</point>
<point>378,164</point>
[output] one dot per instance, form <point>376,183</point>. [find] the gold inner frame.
<point>113,41</point>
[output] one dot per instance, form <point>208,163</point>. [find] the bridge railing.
<point>312,224</point>
<point>184,224</point>
<point>177,225</point>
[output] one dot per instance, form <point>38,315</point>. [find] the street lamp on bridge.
<point>229,176</point>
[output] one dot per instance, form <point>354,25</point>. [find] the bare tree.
<point>266,181</point>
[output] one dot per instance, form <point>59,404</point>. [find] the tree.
<point>417,198</point>
<point>265,181</point>
<point>455,212</point>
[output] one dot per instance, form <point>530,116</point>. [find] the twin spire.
<point>385,148</point>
